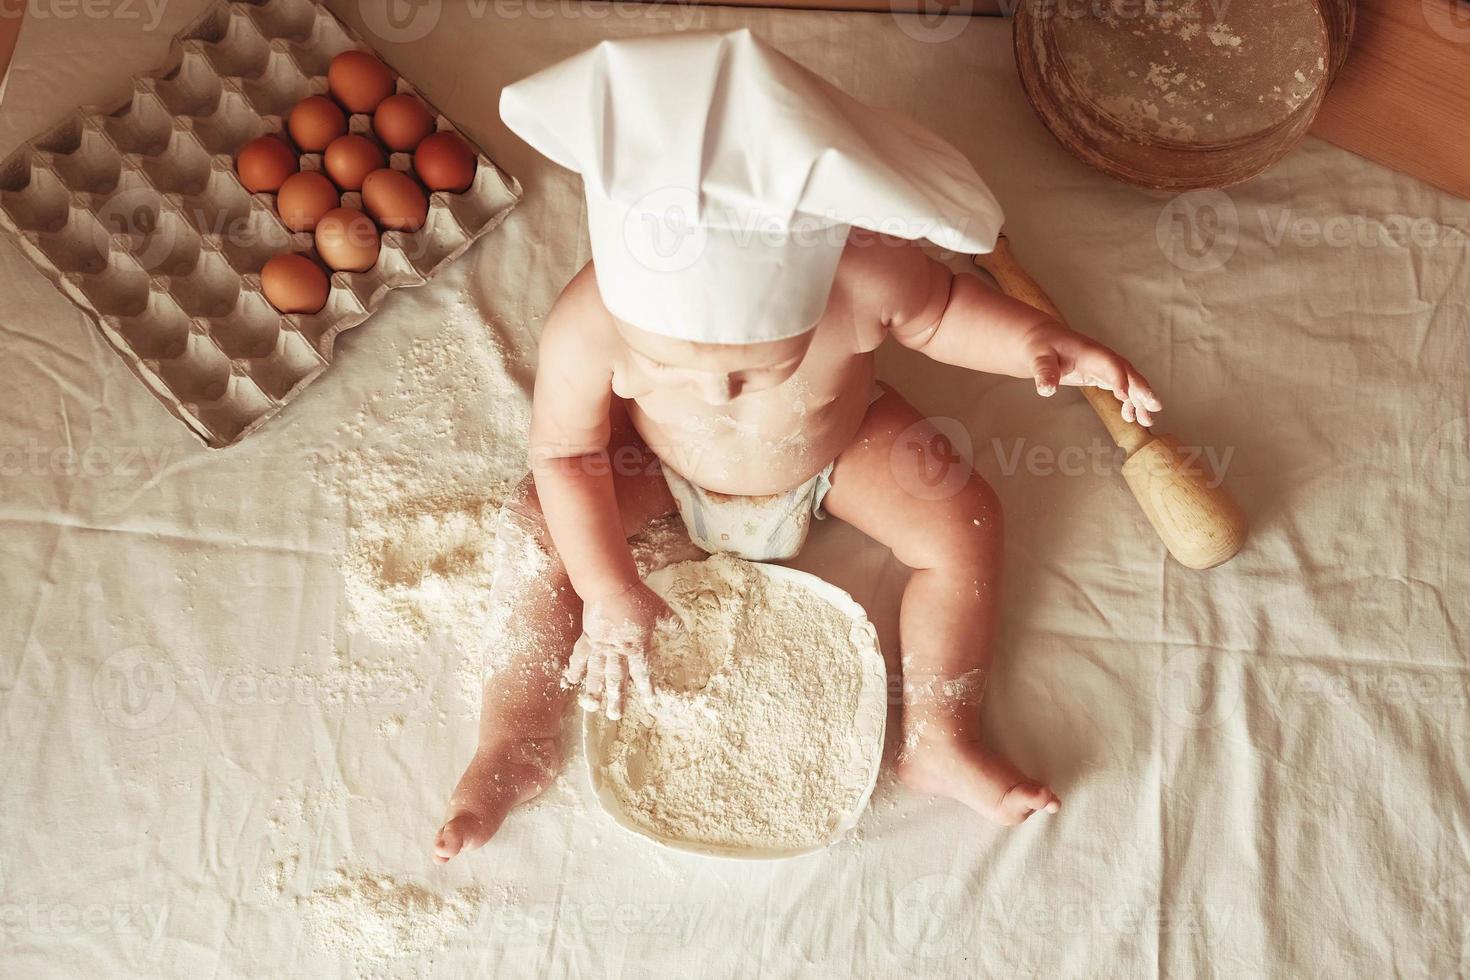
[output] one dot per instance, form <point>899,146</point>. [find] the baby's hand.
<point>1060,355</point>
<point>616,634</point>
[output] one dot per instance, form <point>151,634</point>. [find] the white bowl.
<point>870,719</point>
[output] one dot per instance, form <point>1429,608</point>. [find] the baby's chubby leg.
<point>520,739</point>
<point>899,483</point>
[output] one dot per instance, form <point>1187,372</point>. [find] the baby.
<point>736,388</point>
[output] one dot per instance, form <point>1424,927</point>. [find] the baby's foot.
<point>499,778</point>
<point>937,760</point>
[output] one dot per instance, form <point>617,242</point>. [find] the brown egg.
<point>351,158</point>
<point>347,240</point>
<point>304,198</point>
<point>444,162</point>
<point>315,122</point>
<point>264,164</point>
<point>402,122</point>
<point>395,200</point>
<point>294,284</point>
<point>359,81</point>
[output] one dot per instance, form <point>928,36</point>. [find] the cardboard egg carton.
<point>136,213</point>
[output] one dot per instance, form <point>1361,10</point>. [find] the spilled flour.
<point>371,918</point>
<point>380,923</point>
<point>422,469</point>
<point>758,734</point>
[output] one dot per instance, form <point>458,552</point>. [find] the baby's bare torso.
<point>771,437</point>
<point>765,441</point>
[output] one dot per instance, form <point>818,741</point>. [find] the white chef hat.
<point>722,178</point>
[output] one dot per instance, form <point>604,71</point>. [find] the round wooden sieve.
<point>1180,94</point>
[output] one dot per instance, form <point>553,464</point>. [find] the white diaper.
<point>771,527</point>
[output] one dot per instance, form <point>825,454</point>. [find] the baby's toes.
<point>1024,799</point>
<point>464,831</point>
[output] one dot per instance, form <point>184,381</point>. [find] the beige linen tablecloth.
<point>1264,766</point>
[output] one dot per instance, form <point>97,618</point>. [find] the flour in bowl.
<point>763,731</point>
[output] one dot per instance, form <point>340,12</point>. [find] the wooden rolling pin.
<point>1200,524</point>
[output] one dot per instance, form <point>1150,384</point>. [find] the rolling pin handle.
<point>1192,513</point>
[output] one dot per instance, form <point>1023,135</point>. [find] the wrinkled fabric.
<point>1262,766</point>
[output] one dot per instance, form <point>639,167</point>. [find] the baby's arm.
<point>569,438</point>
<point>959,320</point>
<point>570,427</point>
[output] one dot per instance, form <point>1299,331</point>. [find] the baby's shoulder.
<point>878,279</point>
<point>877,264</point>
<point>578,321</point>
